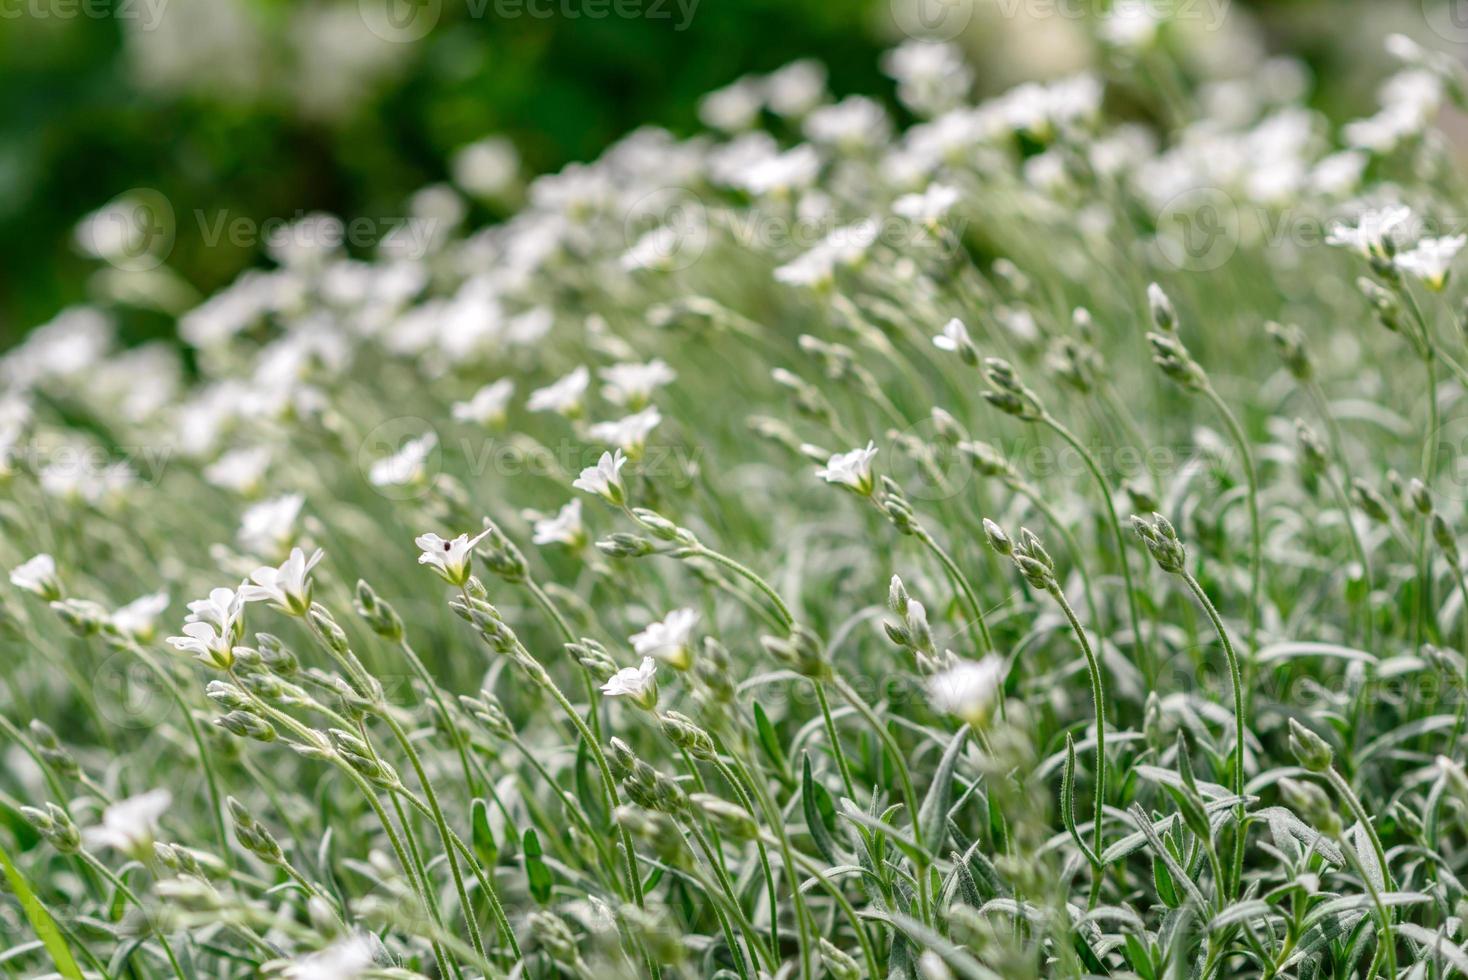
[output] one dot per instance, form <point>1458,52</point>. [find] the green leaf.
<point>812,796</point>
<point>932,817</point>
<point>41,922</point>
<point>589,792</point>
<point>770,742</point>
<point>536,871</point>
<point>485,847</point>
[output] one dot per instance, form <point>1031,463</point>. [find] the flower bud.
<point>1309,749</point>
<point>379,616</point>
<point>1164,316</point>
<point>624,545</point>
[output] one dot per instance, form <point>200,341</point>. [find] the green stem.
<point>1256,531</point>
<point>1139,646</point>
<point>1236,680</point>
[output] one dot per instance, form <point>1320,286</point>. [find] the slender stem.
<point>1139,645</point>
<point>903,775</point>
<point>470,920</point>
<point>960,580</point>
<point>1236,679</point>
<point>1256,531</point>
<point>1098,700</point>
<point>739,569</point>
<point>831,736</point>
<point>132,896</point>
<point>744,800</point>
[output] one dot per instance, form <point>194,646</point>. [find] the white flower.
<point>1372,230</point>
<point>638,683</point>
<point>853,123</point>
<point>954,338</point>
<point>1431,259</point>
<point>563,396</point>
<point>1130,24</point>
<point>929,207</point>
<point>451,557</point>
<point>406,466</point>
<point>630,432</point>
<point>346,959</point>
<point>288,587</point>
<point>657,250</point>
<point>797,88</point>
<point>605,478</point>
<point>852,470</point>
<point>565,528</point>
<point>668,640</point>
<point>350,958</point>
<point>212,628</point>
<point>208,645</point>
<point>488,168</point>
<point>783,172</point>
<point>488,405</point>
<point>970,690</point>
<point>221,609</point>
<point>266,528</point>
<point>733,107</point>
<point>239,470</point>
<point>136,618</point>
<point>129,825</point>
<point>38,575</point>
<point>631,384</point>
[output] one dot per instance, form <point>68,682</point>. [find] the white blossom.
<point>631,383</point>
<point>929,207</point>
<point>349,958</point>
<point>669,639</point>
<point>630,432</point>
<point>564,528</point>
<point>406,466</point>
<point>38,575</point>
<point>1372,230</point>
<point>954,338</point>
<point>637,683</point>
<point>136,619</point>
<point>563,396</point>
<point>266,528</point>
<point>852,470</point>
<point>1430,260</point>
<point>605,478</point>
<point>240,470</point>
<point>129,825</point>
<point>970,690</point>
<point>451,558</point>
<point>487,406</point>
<point>287,587</point>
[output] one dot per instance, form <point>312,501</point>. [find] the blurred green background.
<point>264,109</point>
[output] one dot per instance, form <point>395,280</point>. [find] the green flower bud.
<point>1309,749</point>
